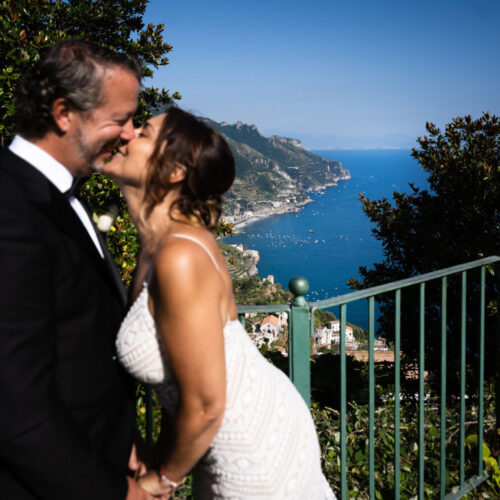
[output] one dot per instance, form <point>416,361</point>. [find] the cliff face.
<point>273,174</point>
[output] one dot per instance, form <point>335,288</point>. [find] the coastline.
<point>329,184</point>
<point>269,213</point>
<point>288,208</point>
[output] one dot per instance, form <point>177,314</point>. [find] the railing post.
<point>299,339</point>
<point>497,346</point>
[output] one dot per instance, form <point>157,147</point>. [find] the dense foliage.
<point>327,424</point>
<point>455,220</point>
<point>458,218</point>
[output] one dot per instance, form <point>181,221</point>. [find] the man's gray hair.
<point>72,70</point>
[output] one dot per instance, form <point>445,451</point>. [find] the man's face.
<point>96,134</point>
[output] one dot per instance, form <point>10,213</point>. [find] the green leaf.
<point>471,439</point>
<point>359,456</point>
<point>433,431</point>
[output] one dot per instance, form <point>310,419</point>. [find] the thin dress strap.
<point>194,240</point>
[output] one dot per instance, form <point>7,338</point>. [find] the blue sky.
<point>338,75</point>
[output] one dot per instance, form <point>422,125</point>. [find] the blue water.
<point>342,239</point>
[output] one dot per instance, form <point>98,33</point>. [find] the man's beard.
<point>89,152</point>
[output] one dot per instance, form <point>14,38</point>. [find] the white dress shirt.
<point>58,175</point>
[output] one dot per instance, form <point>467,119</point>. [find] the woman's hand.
<point>153,484</point>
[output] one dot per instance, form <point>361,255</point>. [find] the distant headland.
<point>273,174</point>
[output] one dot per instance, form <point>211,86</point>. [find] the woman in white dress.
<point>230,416</point>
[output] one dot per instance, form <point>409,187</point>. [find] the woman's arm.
<point>187,292</point>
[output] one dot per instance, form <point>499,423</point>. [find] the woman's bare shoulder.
<point>183,257</point>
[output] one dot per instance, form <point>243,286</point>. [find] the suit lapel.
<point>108,259</point>
<point>55,205</point>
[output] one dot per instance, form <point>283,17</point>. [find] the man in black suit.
<point>67,408</point>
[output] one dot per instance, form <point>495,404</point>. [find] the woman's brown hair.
<point>210,169</point>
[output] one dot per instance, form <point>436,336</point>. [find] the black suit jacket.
<point>66,406</point>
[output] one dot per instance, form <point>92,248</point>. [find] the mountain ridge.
<point>273,174</point>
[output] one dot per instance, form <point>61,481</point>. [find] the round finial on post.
<point>299,287</point>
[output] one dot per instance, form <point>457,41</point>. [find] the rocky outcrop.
<point>296,143</point>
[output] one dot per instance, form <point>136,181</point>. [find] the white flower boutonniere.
<point>105,220</point>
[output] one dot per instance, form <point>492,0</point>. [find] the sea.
<point>330,238</point>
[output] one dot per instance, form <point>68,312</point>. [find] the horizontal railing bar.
<point>389,287</point>
<point>470,484</point>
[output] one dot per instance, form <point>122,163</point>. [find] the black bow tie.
<point>74,190</point>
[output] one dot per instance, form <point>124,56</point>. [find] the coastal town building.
<point>271,325</point>
<point>283,317</point>
<point>270,329</point>
<point>329,335</point>
<point>380,344</point>
<point>275,326</point>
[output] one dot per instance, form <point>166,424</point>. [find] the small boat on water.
<point>310,230</point>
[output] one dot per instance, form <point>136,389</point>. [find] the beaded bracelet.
<point>168,481</point>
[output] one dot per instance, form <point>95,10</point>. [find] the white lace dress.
<point>266,447</point>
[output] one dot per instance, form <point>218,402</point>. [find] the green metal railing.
<point>301,327</point>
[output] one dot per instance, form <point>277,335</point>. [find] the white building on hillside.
<point>270,329</point>
<point>380,344</point>
<point>271,326</point>
<point>330,334</point>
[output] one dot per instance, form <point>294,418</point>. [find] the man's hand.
<point>152,483</point>
<point>135,492</point>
